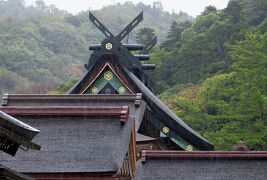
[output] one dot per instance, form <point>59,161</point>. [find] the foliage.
<point>10,81</point>
<point>224,55</point>
<point>63,88</point>
<point>173,38</point>
<point>198,50</point>
<point>144,35</point>
<point>232,106</point>
<point>253,11</point>
<point>46,46</point>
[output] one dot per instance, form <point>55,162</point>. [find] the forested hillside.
<point>212,70</point>
<point>191,54</point>
<point>216,74</point>
<point>42,46</point>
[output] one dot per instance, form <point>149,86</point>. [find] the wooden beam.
<point>138,99</point>
<point>131,47</point>
<point>100,26</point>
<point>119,111</point>
<point>130,27</point>
<point>4,99</point>
<point>71,176</point>
<point>142,57</point>
<point>204,154</point>
<point>124,114</point>
<point>71,97</point>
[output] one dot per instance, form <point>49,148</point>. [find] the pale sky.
<point>192,7</point>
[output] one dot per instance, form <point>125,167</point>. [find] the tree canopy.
<point>221,77</point>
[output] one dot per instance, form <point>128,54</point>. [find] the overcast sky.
<point>192,7</point>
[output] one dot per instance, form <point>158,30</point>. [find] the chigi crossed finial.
<point>123,33</point>
<point>112,44</point>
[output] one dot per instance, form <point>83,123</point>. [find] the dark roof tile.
<point>203,165</point>
<point>74,144</point>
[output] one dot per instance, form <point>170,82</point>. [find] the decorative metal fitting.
<point>108,46</point>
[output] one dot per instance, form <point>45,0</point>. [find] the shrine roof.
<point>202,165</point>
<point>79,133</point>
<point>167,116</point>
<point>131,72</point>
<point>14,133</point>
<point>74,144</point>
<point>44,102</point>
<point>18,127</point>
<point>154,103</point>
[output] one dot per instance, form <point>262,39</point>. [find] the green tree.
<point>231,106</point>
<point>173,39</point>
<point>233,11</point>
<point>209,9</point>
<point>144,35</point>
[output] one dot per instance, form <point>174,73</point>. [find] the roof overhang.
<point>6,173</point>
<point>14,133</point>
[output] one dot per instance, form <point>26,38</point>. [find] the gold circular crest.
<point>108,46</point>
<point>122,90</point>
<point>189,147</point>
<point>108,75</point>
<point>94,90</point>
<point>165,130</point>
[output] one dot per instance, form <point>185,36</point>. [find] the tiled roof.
<point>202,165</point>
<point>80,142</point>
<point>74,144</point>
